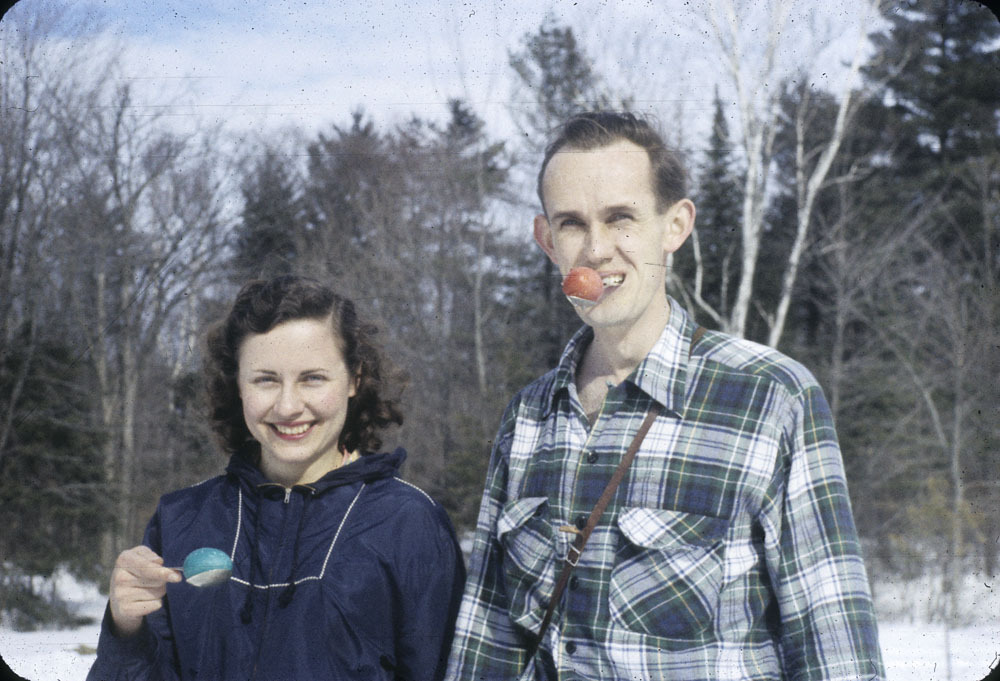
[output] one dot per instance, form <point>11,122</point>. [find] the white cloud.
<point>260,64</point>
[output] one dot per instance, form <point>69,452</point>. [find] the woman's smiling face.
<point>295,387</point>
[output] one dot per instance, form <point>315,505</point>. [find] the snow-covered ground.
<point>64,655</point>
<point>914,650</point>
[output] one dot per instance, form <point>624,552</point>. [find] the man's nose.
<point>600,242</point>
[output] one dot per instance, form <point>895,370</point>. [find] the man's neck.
<point>615,353</point>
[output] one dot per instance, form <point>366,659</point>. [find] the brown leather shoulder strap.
<point>696,336</point>
<point>580,540</point>
<point>576,549</point>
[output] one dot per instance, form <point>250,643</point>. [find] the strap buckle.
<point>569,555</point>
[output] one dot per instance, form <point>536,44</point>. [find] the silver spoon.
<point>582,303</point>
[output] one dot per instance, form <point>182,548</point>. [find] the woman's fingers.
<point>138,584</point>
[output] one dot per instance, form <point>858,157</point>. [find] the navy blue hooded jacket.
<point>355,576</point>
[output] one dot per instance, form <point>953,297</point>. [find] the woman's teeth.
<point>612,280</point>
<point>292,430</point>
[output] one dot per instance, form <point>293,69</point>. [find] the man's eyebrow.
<point>566,214</point>
<point>619,208</point>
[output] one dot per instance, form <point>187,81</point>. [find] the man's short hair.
<point>596,129</point>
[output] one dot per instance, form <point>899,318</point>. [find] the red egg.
<point>583,282</point>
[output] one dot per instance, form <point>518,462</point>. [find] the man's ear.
<point>543,236</point>
<point>680,221</point>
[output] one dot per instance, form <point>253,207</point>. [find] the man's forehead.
<point>618,167</point>
<point>618,148</point>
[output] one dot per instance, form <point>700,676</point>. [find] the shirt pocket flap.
<point>655,528</point>
<point>517,513</point>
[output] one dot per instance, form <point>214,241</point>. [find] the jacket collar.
<point>662,374</point>
<point>370,466</point>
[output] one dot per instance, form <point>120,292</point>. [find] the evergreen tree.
<point>469,173</point>
<point>54,503</point>
<point>557,76</point>
<point>267,238</point>
<point>555,79</point>
<point>937,63</point>
<point>938,67</point>
<point>353,197</point>
<point>720,200</point>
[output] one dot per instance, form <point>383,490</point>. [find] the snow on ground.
<point>57,655</point>
<point>915,641</point>
<point>913,649</point>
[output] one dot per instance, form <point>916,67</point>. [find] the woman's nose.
<point>289,402</point>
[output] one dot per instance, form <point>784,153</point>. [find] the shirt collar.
<point>662,374</point>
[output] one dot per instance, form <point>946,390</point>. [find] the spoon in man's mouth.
<point>583,287</point>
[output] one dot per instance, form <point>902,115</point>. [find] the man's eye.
<point>620,217</point>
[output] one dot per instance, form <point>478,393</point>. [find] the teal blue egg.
<point>207,567</point>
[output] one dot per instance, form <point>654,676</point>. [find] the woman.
<point>340,569</point>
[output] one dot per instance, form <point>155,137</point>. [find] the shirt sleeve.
<point>487,644</point>
<point>828,628</point>
<point>148,654</point>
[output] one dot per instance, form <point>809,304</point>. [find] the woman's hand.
<point>138,584</point>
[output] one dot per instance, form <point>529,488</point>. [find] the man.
<point>729,550</point>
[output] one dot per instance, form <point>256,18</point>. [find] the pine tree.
<point>555,79</point>
<point>720,200</point>
<point>557,76</point>
<point>54,503</point>
<point>353,196</point>
<point>268,235</point>
<point>938,67</point>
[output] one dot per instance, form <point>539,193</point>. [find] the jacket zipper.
<point>270,579</point>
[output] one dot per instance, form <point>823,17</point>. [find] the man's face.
<point>601,213</point>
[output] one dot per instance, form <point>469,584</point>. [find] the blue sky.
<point>267,64</point>
<point>310,62</point>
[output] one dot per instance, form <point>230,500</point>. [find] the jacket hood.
<point>370,466</point>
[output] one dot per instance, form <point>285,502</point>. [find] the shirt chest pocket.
<point>667,573</point>
<point>531,545</point>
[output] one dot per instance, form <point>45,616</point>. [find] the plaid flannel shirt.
<point>728,552</point>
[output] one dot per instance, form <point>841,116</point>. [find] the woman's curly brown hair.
<point>262,305</point>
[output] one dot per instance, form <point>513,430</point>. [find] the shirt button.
<point>580,522</point>
<point>592,457</point>
<point>574,583</point>
<point>571,647</point>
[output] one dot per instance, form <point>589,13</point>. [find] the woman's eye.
<point>315,378</point>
